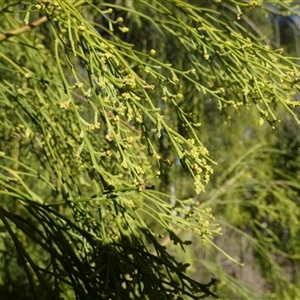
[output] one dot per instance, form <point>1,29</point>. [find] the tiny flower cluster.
<point>201,171</point>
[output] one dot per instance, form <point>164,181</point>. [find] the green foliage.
<point>108,111</point>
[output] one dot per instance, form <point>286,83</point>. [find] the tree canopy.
<point>134,134</point>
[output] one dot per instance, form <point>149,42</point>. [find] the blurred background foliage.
<point>132,132</point>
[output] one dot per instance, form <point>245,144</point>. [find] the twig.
<point>5,36</point>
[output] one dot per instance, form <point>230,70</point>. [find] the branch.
<point>250,23</point>
<point>29,26</point>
